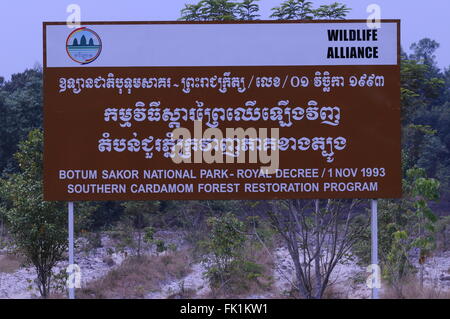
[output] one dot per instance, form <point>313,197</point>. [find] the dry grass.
<point>331,292</point>
<point>136,277</point>
<point>411,290</point>
<point>183,293</point>
<point>10,263</point>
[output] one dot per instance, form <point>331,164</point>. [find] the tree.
<point>248,10</point>
<point>396,264</point>
<point>332,11</point>
<point>293,9</point>
<point>21,111</point>
<point>139,215</point>
<point>415,138</point>
<point>425,113</point>
<point>306,230</point>
<point>405,225</point>
<point>211,10</point>
<point>224,247</point>
<point>219,10</point>
<point>432,154</point>
<point>317,238</point>
<point>421,190</point>
<point>446,95</point>
<point>192,12</point>
<point>424,51</point>
<point>38,227</point>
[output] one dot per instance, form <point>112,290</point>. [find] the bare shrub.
<point>317,238</point>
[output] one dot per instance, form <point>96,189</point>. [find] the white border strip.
<point>259,44</point>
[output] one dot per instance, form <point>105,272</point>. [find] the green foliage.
<point>397,265</point>
<point>21,111</point>
<point>424,51</point>
<point>404,225</point>
<point>226,238</point>
<point>102,215</point>
<point>416,137</point>
<point>420,87</point>
<point>251,270</point>
<point>149,235</point>
<point>59,280</point>
<point>332,11</point>
<point>138,216</point>
<point>426,113</point>
<point>191,216</point>
<point>248,10</point>
<point>140,213</point>
<point>214,10</point>
<point>222,10</point>
<point>234,262</point>
<point>303,10</point>
<point>38,227</point>
<point>261,229</point>
<point>421,191</point>
<point>426,189</point>
<point>406,215</point>
<point>442,230</point>
<point>293,10</point>
<point>149,238</point>
<point>160,246</point>
<point>192,12</point>
<point>224,246</point>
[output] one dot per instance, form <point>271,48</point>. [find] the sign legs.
<point>374,248</point>
<point>71,249</point>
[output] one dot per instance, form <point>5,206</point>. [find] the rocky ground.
<point>437,272</point>
<point>95,264</point>
<point>194,282</point>
<point>348,278</point>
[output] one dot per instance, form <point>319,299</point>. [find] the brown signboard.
<point>153,110</point>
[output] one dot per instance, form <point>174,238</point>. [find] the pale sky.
<point>21,21</point>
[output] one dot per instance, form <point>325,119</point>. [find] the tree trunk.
<point>421,266</point>
<point>139,243</point>
<point>43,278</point>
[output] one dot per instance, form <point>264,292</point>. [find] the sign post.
<point>374,248</point>
<point>71,280</point>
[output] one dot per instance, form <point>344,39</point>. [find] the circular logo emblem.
<point>83,45</point>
